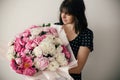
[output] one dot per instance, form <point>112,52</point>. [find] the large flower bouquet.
<point>38,49</point>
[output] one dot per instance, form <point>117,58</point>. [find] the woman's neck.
<point>69,26</point>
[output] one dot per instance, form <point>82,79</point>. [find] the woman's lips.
<point>64,20</point>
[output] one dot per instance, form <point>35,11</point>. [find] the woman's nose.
<point>63,15</point>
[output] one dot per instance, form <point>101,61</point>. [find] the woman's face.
<point>67,18</point>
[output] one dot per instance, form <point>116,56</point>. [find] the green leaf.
<point>48,24</point>
<point>43,25</point>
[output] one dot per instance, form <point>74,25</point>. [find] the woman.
<point>73,19</point>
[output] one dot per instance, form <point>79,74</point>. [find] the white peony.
<point>59,49</point>
<point>10,56</point>
<point>58,41</point>
<point>37,64</point>
<point>36,31</point>
<point>49,38</point>
<point>60,58</point>
<point>11,53</point>
<point>11,42</point>
<point>37,51</point>
<point>47,47</point>
<point>53,39</point>
<point>11,50</point>
<point>53,65</point>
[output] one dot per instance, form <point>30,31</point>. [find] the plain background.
<point>103,18</point>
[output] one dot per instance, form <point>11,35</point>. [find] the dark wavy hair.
<point>75,8</point>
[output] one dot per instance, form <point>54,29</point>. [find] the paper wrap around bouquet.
<point>42,53</point>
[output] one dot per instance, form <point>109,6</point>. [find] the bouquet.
<point>39,50</point>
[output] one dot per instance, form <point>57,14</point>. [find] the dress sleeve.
<point>87,39</point>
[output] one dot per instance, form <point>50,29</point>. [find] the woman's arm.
<point>82,56</point>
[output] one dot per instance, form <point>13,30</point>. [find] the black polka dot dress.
<point>85,38</point>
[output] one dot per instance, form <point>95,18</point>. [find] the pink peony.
<point>18,61</point>
<point>38,39</point>
<point>29,71</point>
<point>43,62</point>
<point>13,64</point>
<point>25,39</point>
<point>26,33</point>
<point>22,49</point>
<point>18,44</point>
<point>29,45</point>
<point>22,54</point>
<point>26,50</point>
<point>53,31</point>
<point>17,47</point>
<point>34,26</point>
<point>66,52</point>
<point>15,67</point>
<point>27,62</point>
<point>20,71</point>
<point>20,41</point>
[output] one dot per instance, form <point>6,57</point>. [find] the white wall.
<point>103,18</point>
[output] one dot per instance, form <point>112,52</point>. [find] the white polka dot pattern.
<point>85,38</point>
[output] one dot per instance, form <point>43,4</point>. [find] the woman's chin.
<point>65,22</point>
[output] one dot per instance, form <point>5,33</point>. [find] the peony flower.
<point>34,26</point>
<point>47,47</point>
<point>60,58</point>
<point>59,49</point>
<point>53,65</point>
<point>29,71</point>
<point>20,71</point>
<point>26,33</point>
<point>11,50</point>
<point>27,62</point>
<point>26,50</point>
<point>17,47</point>
<point>29,45</point>
<point>10,56</point>
<point>41,63</point>
<point>18,61</point>
<point>38,39</point>
<point>11,43</point>
<point>32,37</point>
<point>20,41</point>
<point>66,52</point>
<point>36,31</point>
<point>33,45</point>
<point>19,44</point>
<point>13,64</point>
<point>58,41</point>
<point>23,66</point>
<point>37,51</point>
<point>25,39</point>
<point>53,31</point>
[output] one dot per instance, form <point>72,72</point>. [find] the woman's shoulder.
<point>87,31</point>
<point>87,38</point>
